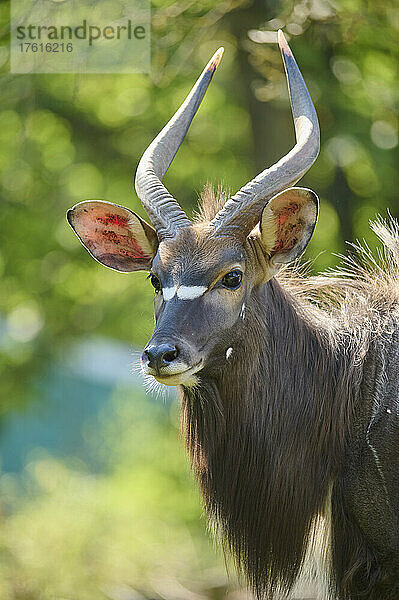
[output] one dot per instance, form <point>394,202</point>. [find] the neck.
<point>266,435</point>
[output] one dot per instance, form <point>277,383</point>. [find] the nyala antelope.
<point>289,384</point>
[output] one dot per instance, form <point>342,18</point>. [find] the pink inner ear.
<point>113,235</point>
<point>114,220</point>
<point>288,227</point>
<point>108,240</point>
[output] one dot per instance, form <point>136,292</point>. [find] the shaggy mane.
<point>362,289</point>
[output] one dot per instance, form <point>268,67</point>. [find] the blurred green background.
<point>96,498</point>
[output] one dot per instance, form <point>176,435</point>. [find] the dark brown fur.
<point>269,433</point>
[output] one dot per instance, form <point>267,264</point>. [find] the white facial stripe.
<point>229,352</point>
<point>184,292</point>
<point>168,293</point>
<point>189,292</point>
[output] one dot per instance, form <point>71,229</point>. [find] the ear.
<point>287,224</point>
<point>114,235</point>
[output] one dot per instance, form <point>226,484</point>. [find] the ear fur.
<point>287,224</point>
<point>115,236</point>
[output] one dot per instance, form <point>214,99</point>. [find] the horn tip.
<point>215,60</point>
<point>282,42</point>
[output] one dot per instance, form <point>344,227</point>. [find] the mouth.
<point>186,377</point>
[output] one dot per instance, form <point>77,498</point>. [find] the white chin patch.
<point>186,379</point>
<point>229,352</point>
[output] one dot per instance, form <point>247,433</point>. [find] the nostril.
<point>169,355</point>
<point>160,355</point>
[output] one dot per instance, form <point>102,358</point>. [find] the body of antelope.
<point>289,385</point>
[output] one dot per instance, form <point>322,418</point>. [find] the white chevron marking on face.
<point>184,292</point>
<point>189,292</point>
<point>168,293</point>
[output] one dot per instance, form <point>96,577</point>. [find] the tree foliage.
<point>65,138</point>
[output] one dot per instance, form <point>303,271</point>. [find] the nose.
<point>161,355</point>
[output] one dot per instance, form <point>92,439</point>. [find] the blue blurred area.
<point>73,392</point>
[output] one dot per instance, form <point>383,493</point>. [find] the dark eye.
<point>155,282</point>
<point>232,280</point>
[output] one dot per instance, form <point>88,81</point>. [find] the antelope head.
<point>205,274</point>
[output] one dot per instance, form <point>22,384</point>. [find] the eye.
<point>232,280</point>
<point>155,282</point>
